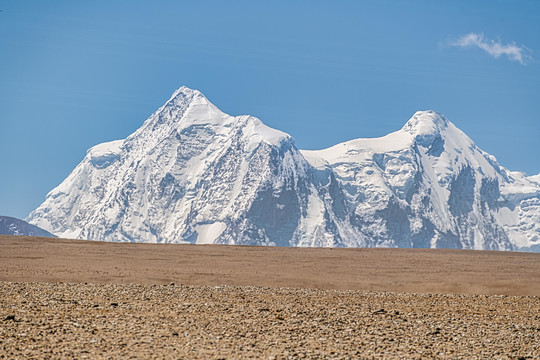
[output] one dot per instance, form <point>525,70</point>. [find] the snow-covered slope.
<point>13,226</point>
<point>190,174</point>
<point>428,185</point>
<point>194,174</point>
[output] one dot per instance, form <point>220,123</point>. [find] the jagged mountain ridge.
<point>13,226</point>
<point>194,174</point>
<point>190,174</point>
<point>429,185</point>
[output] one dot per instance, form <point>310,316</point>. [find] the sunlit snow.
<point>192,173</point>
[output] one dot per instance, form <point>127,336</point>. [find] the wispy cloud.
<point>494,48</point>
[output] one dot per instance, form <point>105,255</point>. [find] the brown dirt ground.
<point>79,299</point>
<point>395,270</point>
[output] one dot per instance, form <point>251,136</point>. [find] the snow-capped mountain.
<point>13,226</point>
<point>428,185</point>
<point>194,174</point>
<point>190,174</point>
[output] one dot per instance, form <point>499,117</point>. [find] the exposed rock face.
<point>194,174</point>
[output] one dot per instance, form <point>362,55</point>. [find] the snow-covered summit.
<point>192,173</point>
<point>189,109</point>
<point>429,185</point>
<point>184,92</point>
<point>427,122</point>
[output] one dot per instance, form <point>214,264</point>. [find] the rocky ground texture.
<point>61,320</point>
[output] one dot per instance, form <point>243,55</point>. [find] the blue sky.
<point>74,74</point>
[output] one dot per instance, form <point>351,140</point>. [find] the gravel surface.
<point>60,320</point>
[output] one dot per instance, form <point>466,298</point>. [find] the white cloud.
<point>494,48</point>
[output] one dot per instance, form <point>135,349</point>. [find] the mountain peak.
<point>186,91</point>
<point>185,95</point>
<point>187,107</point>
<point>427,122</point>
<point>194,174</point>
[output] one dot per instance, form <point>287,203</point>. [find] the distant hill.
<point>13,226</point>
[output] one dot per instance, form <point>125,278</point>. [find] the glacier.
<point>193,174</point>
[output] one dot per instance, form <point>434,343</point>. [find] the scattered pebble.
<point>232,322</point>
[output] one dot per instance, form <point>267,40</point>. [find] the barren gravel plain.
<point>78,299</point>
